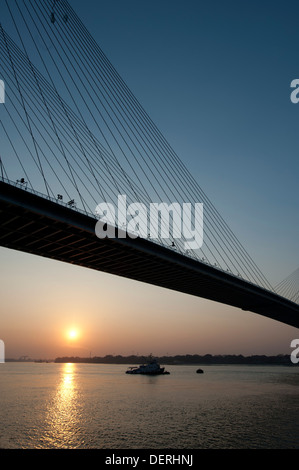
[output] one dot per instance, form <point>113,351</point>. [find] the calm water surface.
<point>99,406</point>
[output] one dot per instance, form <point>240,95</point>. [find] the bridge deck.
<point>33,224</point>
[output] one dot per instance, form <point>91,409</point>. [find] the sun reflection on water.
<point>64,411</point>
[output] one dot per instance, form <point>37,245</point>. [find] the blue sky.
<point>215,78</point>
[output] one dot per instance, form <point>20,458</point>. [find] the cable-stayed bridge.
<point>73,135</point>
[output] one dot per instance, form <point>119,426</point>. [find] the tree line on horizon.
<point>182,359</point>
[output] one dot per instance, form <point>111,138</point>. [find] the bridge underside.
<point>33,224</point>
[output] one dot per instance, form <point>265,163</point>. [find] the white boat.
<point>152,368</point>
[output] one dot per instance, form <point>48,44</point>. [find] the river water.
<point>97,406</point>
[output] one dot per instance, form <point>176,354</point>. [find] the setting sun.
<point>73,334</point>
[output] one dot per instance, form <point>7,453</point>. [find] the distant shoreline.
<point>183,359</point>
<point>188,359</point>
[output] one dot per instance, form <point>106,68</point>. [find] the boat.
<point>152,368</point>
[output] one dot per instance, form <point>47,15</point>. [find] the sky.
<point>215,78</point>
